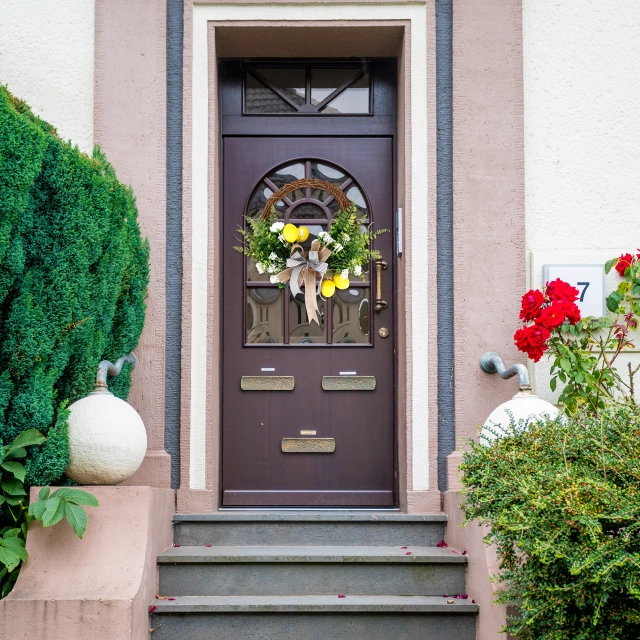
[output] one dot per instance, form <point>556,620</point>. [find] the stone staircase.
<point>311,575</point>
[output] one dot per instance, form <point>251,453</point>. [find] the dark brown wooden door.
<point>266,333</point>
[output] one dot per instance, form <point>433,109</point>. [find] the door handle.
<point>380,303</point>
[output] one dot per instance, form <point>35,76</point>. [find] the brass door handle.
<point>380,303</point>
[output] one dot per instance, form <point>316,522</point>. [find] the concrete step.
<point>291,527</point>
<point>311,570</point>
<point>313,618</point>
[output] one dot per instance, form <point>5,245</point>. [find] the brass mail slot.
<point>267,383</point>
<point>348,383</point>
<point>308,445</point>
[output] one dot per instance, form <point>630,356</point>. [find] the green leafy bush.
<point>562,499</point>
<point>73,279</point>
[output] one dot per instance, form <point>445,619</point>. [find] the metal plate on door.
<point>308,445</point>
<point>267,383</point>
<point>348,383</point>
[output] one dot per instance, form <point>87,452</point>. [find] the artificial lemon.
<point>290,232</point>
<point>303,233</point>
<point>340,282</point>
<point>328,288</point>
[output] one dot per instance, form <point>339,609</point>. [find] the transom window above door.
<point>272,314</point>
<point>312,88</point>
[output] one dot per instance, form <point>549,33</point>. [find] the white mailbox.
<point>588,279</point>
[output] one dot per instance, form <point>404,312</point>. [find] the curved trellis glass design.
<point>272,315</point>
<point>307,89</point>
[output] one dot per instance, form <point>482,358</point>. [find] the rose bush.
<point>584,350</point>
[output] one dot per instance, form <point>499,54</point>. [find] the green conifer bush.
<point>74,271</point>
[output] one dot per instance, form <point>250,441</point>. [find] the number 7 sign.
<point>588,279</point>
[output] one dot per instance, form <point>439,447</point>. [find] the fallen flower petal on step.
<point>446,595</point>
<point>464,553</point>
<point>403,547</point>
<point>208,545</point>
<point>153,609</point>
<point>408,553</point>
<point>170,598</point>
<point>449,601</point>
<point>159,597</point>
<point>473,601</point>
<point>462,596</point>
<point>442,544</point>
<point>341,595</point>
<point>175,545</point>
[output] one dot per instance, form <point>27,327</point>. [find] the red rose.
<point>560,291</point>
<point>624,262</point>
<point>572,312</point>
<point>532,340</point>
<point>532,301</point>
<point>552,316</point>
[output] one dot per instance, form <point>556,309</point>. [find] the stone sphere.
<point>107,440</point>
<point>523,406</point>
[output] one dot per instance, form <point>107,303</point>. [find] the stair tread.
<point>319,603</point>
<point>313,553</point>
<point>310,516</point>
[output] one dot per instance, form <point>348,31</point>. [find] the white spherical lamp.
<point>107,438</point>
<point>524,406</point>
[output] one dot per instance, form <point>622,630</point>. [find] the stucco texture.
<point>46,59</point>
<point>99,587</point>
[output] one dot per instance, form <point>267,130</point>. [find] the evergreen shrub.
<point>74,271</point>
<point>562,499</point>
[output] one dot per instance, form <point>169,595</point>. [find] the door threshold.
<point>339,509</point>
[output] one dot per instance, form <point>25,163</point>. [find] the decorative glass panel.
<point>324,172</point>
<point>260,99</point>
<point>264,315</point>
<point>301,330</point>
<point>355,195</point>
<point>355,99</point>
<point>307,211</point>
<point>351,316</point>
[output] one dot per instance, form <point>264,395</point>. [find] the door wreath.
<point>277,248</point>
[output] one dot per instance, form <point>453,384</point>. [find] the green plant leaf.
<point>13,532</point>
<point>8,557</point>
<point>53,513</point>
<point>565,364</point>
<point>16,453</point>
<point>77,518</point>
<point>43,494</point>
<point>14,500</point>
<point>13,487</point>
<point>26,439</point>
<point>553,383</point>
<point>612,301</point>
<point>609,264</point>
<point>37,509</point>
<point>77,496</point>
<point>16,468</point>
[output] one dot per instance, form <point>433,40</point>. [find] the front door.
<point>307,408</point>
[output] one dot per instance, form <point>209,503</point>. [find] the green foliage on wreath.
<point>74,271</point>
<point>562,499</point>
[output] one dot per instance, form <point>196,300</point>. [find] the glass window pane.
<point>253,275</point>
<point>301,330</point>
<point>351,316</point>
<point>259,200</point>
<point>308,211</point>
<point>355,195</point>
<point>260,99</point>
<point>329,174</point>
<point>264,319</point>
<point>355,99</point>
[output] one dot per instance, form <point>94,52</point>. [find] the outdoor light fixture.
<point>525,405</point>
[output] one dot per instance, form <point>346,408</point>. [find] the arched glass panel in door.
<point>273,316</point>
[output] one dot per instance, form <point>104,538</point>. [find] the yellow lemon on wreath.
<point>328,288</point>
<point>340,282</point>
<point>290,232</point>
<point>303,233</point>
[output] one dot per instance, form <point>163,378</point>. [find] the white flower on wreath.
<point>260,267</point>
<point>276,227</point>
<point>338,248</point>
<point>271,269</point>
<point>345,273</point>
<point>323,236</point>
<point>273,256</point>
<point>357,270</point>
<point>281,238</point>
<point>346,238</point>
<point>274,279</point>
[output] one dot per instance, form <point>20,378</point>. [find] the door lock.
<point>383,332</point>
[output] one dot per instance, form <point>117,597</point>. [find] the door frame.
<point>200,430</point>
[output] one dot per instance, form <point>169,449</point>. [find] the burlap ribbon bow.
<point>308,272</point>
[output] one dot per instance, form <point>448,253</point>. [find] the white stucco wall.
<point>582,134</point>
<point>46,59</point>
